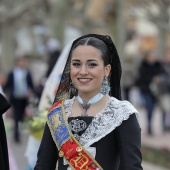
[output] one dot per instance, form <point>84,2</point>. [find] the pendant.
<point>85,106</point>
<point>85,113</point>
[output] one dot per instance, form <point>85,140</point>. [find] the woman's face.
<point>87,70</point>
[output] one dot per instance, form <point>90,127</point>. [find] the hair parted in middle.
<point>109,55</point>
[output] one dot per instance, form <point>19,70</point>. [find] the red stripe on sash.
<point>55,105</point>
<point>77,157</point>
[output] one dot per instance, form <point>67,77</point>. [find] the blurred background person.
<point>4,161</point>
<point>164,91</point>
<point>19,86</point>
<point>149,69</point>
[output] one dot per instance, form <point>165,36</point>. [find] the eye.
<point>92,64</point>
<point>76,64</point>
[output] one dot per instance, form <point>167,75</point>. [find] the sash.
<point>69,148</point>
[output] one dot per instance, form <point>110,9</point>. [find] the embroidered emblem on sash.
<point>56,121</point>
<point>79,161</point>
<point>69,148</point>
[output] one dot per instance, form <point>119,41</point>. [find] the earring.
<point>105,86</point>
<point>73,89</point>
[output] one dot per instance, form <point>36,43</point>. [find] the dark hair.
<point>97,43</point>
<point>110,56</point>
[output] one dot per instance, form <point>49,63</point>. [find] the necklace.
<point>86,105</point>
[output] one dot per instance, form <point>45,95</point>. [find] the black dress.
<point>4,163</point>
<point>119,146</point>
<point>113,136</point>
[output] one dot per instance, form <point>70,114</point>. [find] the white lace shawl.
<point>105,121</point>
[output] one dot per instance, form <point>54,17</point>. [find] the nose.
<point>83,70</point>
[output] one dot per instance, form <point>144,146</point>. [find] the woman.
<point>4,161</point>
<point>88,127</point>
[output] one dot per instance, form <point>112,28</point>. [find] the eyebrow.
<point>87,60</point>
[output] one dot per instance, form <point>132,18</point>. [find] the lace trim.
<point>68,105</point>
<point>105,121</point>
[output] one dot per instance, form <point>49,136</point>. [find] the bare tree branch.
<point>16,12</point>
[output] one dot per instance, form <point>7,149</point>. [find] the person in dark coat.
<point>19,87</point>
<point>150,70</point>
<point>4,162</point>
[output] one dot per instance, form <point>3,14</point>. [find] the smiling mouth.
<point>84,80</point>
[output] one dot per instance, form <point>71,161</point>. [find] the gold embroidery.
<point>79,149</point>
<point>69,151</point>
<point>86,168</point>
<point>79,161</point>
<point>61,153</point>
<point>55,120</point>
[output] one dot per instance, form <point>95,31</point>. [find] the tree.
<point>157,11</point>
<point>10,14</point>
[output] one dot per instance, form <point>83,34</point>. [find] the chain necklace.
<point>86,105</point>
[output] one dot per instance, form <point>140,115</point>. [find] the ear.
<point>107,70</point>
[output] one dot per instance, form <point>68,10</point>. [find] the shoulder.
<point>55,105</point>
<point>66,103</point>
<point>69,101</point>
<point>28,73</point>
<point>11,73</point>
<point>143,64</point>
<point>121,103</point>
<point>123,108</point>
<point>126,116</point>
<point>158,64</point>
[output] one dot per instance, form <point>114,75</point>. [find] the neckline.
<point>86,105</point>
<point>97,114</point>
<point>81,117</point>
<point>93,100</point>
